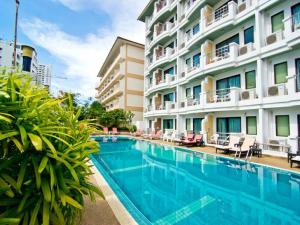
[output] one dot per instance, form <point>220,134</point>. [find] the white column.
<point>262,128</point>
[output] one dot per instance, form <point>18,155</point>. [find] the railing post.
<point>291,85</point>
<point>234,95</point>
<point>233,51</point>
<point>232,9</point>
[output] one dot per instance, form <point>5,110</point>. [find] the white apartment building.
<point>44,73</point>
<point>26,59</point>
<point>225,67</point>
<point>122,78</point>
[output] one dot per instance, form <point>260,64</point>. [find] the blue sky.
<point>73,35</point>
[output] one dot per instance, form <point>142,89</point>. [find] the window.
<point>224,45</point>
<point>249,35</point>
<point>250,79</point>
<point>225,84</point>
<point>196,29</point>
<point>188,93</point>
<point>296,15</point>
<point>169,71</point>
<point>196,60</point>
<point>283,126</point>
<point>251,125</point>
<point>188,124</point>
<point>277,23</point>
<point>197,125</point>
<point>196,92</point>
<point>229,125</point>
<point>168,124</point>
<point>280,72</point>
<point>169,97</point>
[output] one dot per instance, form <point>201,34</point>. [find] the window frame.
<point>247,122</point>
<point>274,68</point>
<point>276,125</point>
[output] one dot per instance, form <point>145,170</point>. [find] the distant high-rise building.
<point>44,73</point>
<point>26,56</point>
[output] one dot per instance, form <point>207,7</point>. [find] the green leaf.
<point>52,176</point>
<point>50,145</point>
<point>36,172</point>
<point>35,212</point>
<point>46,215</point>
<point>43,164</point>
<point>18,144</point>
<point>4,94</point>
<point>23,134</point>
<point>4,185</point>
<point>21,174</point>
<point>6,221</point>
<point>8,135</point>
<point>46,190</point>
<point>8,120</point>
<point>23,201</point>
<point>72,202</point>
<point>36,141</point>
<point>10,180</point>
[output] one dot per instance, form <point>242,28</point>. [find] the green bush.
<point>44,151</point>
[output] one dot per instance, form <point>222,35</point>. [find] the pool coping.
<point>120,211</point>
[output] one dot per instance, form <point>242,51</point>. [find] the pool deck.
<point>268,160</point>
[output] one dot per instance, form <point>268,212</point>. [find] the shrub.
<point>44,151</point>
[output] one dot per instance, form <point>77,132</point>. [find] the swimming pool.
<point>166,185</point>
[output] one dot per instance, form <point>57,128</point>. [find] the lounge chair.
<point>138,133</point>
<point>245,148</point>
<point>146,136</point>
<point>155,136</point>
<point>197,140</point>
<point>233,143</point>
<point>188,137</point>
<point>167,134</point>
<point>114,131</point>
<point>105,130</point>
<point>295,159</point>
<point>173,136</point>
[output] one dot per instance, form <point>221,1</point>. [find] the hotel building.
<point>224,67</point>
<point>44,74</point>
<point>122,78</point>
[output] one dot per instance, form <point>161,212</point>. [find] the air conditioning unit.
<point>274,37</point>
<point>245,95</point>
<point>243,50</point>
<point>182,104</point>
<point>241,7</point>
<point>273,91</point>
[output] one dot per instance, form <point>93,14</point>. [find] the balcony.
<point>161,56</point>
<point>228,14</point>
<point>161,82</point>
<point>230,97</point>
<point>292,29</point>
<point>160,7</point>
<point>112,94</point>
<point>112,80</point>
<point>188,8</point>
<point>160,109</point>
<point>189,71</point>
<point>162,31</point>
<point>191,103</point>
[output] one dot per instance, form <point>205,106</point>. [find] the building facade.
<point>44,74</point>
<point>224,67</point>
<point>26,59</point>
<point>122,78</point>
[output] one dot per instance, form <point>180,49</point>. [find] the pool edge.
<point>120,211</point>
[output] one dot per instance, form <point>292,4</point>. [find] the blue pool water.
<point>166,185</point>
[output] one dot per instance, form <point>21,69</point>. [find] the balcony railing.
<point>277,90</point>
<point>217,15</point>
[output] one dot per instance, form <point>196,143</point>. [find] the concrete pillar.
<point>262,127</point>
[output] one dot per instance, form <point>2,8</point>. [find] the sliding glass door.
<point>228,125</point>
<point>197,125</point>
<point>224,85</point>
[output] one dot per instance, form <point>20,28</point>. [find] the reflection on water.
<point>170,186</point>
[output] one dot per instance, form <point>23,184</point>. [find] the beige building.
<point>122,78</point>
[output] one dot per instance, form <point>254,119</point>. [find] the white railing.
<point>217,15</point>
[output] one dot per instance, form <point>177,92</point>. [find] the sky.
<point>74,36</point>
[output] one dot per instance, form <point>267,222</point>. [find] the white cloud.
<point>83,56</point>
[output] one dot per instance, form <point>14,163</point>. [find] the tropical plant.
<point>44,155</point>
